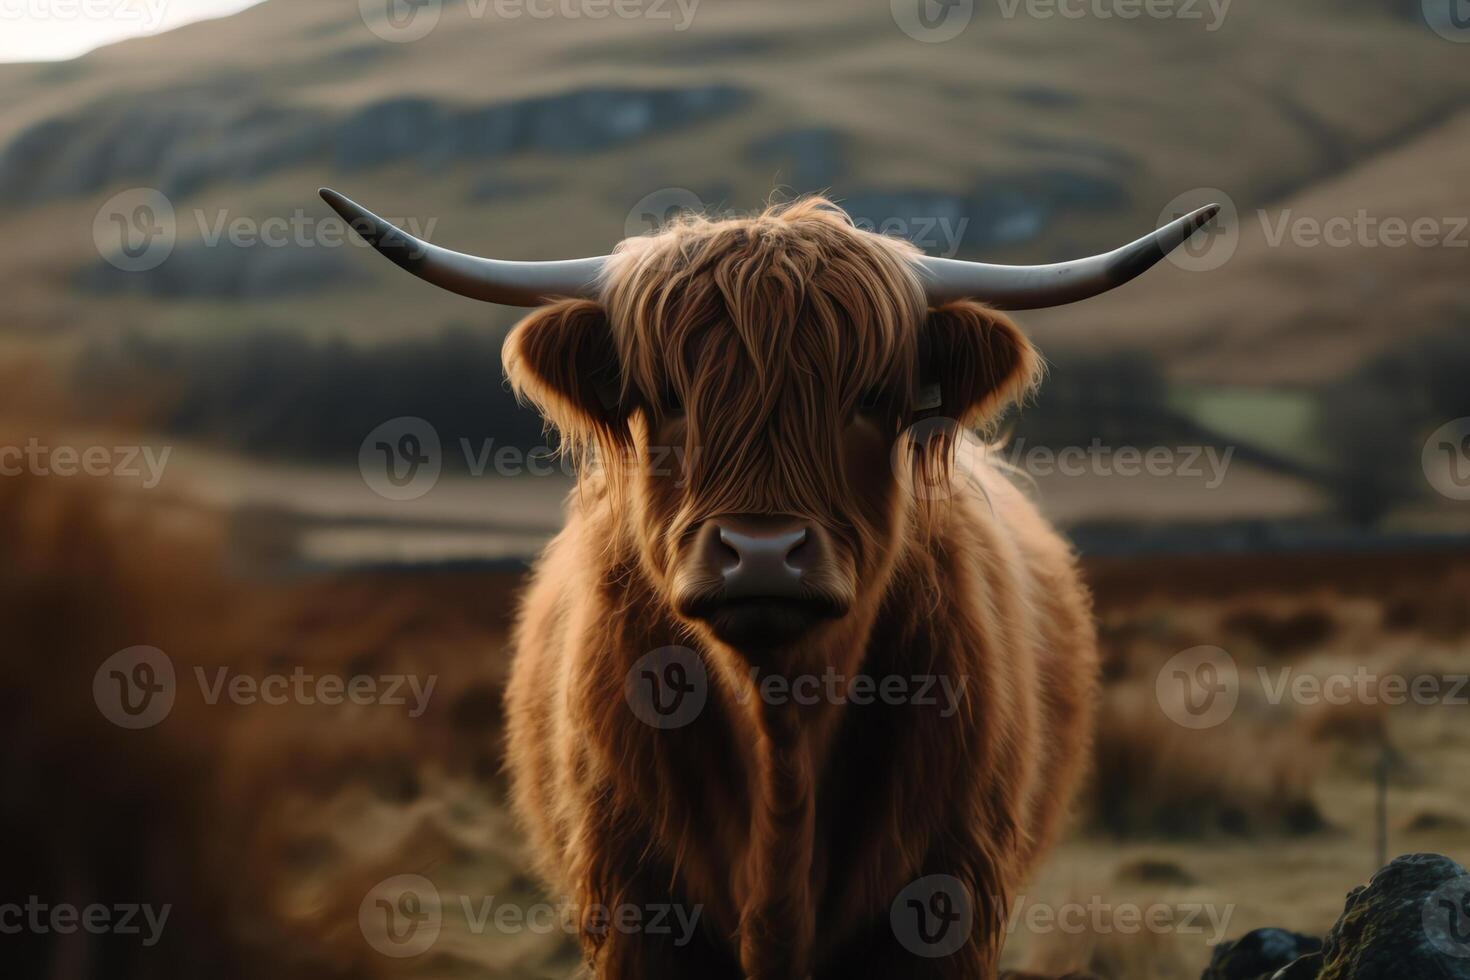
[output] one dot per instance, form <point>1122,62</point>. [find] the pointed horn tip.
<point>1204,215</point>
<point>337,202</point>
<point>369,226</point>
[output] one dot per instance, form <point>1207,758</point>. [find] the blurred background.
<point>235,445</point>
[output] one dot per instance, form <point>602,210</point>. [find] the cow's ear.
<point>973,362</point>
<point>562,359</point>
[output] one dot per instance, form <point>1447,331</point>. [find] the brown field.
<point>267,825</point>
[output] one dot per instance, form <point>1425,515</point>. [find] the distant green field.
<point>1281,420</point>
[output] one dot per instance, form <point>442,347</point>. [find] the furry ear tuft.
<point>562,359</point>
<point>979,360</point>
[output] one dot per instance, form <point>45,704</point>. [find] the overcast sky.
<point>50,30</point>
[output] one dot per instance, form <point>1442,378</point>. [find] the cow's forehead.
<point>805,333</point>
<point>790,295</point>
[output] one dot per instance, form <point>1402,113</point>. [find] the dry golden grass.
<point>1112,943</point>
<point>262,826</point>
<point>1154,778</point>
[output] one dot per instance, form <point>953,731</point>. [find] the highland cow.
<point>716,704</point>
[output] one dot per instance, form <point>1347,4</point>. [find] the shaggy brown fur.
<point>771,365</point>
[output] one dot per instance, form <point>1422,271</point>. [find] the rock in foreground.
<point>1410,922</point>
<point>1258,954</point>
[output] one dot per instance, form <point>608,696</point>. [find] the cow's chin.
<point>757,626</point>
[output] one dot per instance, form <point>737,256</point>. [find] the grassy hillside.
<point>1021,139</point>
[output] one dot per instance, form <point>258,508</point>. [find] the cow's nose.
<point>758,556</point>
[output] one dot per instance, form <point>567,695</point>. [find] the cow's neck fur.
<point>788,755</point>
<point>784,750</point>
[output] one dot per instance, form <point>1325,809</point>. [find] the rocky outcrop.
<point>1258,954</point>
<point>1410,922</point>
<point>180,142</point>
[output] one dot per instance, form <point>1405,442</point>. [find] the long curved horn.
<point>1032,287</point>
<point>491,280</point>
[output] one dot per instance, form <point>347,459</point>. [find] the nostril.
<point>801,551</point>
<point>724,550</point>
